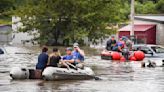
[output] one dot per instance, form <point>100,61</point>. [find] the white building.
<point>158,20</point>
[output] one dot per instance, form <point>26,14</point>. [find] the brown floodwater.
<point>116,77</point>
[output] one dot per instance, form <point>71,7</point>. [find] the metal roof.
<point>157,18</point>
<point>138,27</point>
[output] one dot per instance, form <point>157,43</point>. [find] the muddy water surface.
<point>116,77</point>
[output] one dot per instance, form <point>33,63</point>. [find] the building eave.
<point>150,20</point>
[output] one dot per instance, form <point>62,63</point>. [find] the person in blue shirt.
<point>75,57</point>
<point>78,54</point>
<point>67,58</point>
<point>119,46</point>
<point>42,59</point>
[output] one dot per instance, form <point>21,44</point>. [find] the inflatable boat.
<point>107,55</point>
<point>25,73</point>
<point>52,73</point>
<point>130,55</point>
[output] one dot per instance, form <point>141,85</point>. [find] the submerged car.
<point>2,54</point>
<point>151,51</point>
<point>1,51</point>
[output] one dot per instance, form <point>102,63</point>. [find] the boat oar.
<point>22,53</point>
<point>94,77</point>
<point>71,65</point>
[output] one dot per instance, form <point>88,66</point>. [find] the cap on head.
<point>69,49</point>
<point>75,45</point>
<point>112,36</point>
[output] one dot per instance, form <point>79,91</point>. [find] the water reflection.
<point>117,77</point>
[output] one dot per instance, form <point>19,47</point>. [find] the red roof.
<point>140,27</point>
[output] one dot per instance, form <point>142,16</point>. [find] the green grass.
<point>5,20</point>
<point>88,51</point>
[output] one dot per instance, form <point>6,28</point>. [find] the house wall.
<point>145,37</point>
<point>123,33</point>
<point>151,35</point>
<point>159,30</point>
<point>141,37</point>
<point>5,34</point>
<point>160,34</point>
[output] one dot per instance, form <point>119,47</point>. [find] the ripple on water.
<point>117,77</point>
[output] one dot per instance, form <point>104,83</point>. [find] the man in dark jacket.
<point>111,43</point>
<point>42,59</point>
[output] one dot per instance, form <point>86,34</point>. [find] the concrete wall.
<point>160,34</point>
<point>159,30</point>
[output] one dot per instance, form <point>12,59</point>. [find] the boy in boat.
<point>54,58</point>
<point>68,57</point>
<point>110,43</point>
<point>42,59</point>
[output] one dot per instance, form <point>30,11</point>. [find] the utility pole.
<point>132,18</point>
<point>132,13</point>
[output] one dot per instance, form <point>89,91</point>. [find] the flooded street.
<point>116,77</point>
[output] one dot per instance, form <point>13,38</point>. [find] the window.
<point>144,49</point>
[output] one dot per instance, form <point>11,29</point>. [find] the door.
<point>141,38</point>
<point>148,52</point>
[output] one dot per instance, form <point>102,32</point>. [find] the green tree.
<point>146,8</point>
<point>160,6</point>
<point>70,19</point>
<point>5,5</point>
<point>143,1</point>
